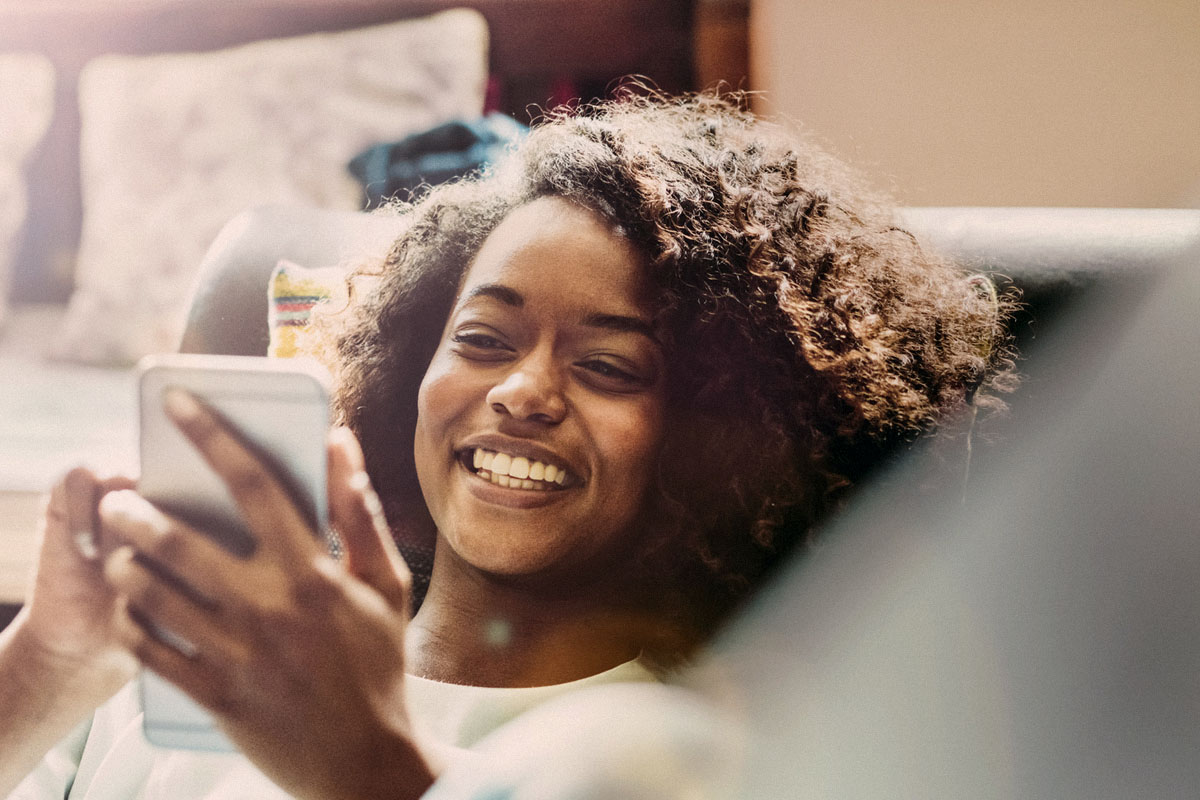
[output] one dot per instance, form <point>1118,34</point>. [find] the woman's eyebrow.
<point>621,324</point>
<point>496,291</point>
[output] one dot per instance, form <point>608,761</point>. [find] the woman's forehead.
<point>552,250</point>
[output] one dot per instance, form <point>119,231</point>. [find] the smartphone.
<point>280,408</point>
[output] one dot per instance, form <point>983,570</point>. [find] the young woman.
<point>606,386</point>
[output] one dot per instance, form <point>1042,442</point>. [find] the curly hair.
<point>807,334</point>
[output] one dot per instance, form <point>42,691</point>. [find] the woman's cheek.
<point>635,437</point>
<point>430,433</point>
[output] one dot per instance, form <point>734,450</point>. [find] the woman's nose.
<point>532,390</point>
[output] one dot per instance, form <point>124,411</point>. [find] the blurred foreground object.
<point>1039,639</point>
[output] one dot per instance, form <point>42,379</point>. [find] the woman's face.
<point>541,413</point>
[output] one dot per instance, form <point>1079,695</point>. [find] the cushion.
<point>27,86</point>
<point>294,291</point>
<point>175,145</point>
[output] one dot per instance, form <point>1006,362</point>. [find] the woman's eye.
<point>477,340</point>
<point>611,374</point>
<point>479,343</point>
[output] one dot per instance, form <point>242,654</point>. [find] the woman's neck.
<point>481,630</point>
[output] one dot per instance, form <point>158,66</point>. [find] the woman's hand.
<point>71,612</point>
<point>298,655</point>
<point>62,656</point>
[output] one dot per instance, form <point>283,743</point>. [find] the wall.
<point>1025,102</point>
<point>720,45</point>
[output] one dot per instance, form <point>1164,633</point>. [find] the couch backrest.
<point>228,310</point>
<point>1053,255</point>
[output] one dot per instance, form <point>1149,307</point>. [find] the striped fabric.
<point>294,291</point>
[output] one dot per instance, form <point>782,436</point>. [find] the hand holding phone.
<point>299,655</point>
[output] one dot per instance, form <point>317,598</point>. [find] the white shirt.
<point>108,758</point>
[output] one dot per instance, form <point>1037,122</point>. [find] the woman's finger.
<point>357,515</point>
<point>189,623</point>
<point>267,507</point>
<point>80,490</point>
<point>200,565</point>
<point>204,678</point>
<point>82,493</point>
<point>114,483</point>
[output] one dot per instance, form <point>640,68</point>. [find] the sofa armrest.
<point>1046,251</point>
<point>228,309</point>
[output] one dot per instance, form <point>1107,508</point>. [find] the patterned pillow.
<point>27,86</point>
<point>174,145</point>
<point>294,291</point>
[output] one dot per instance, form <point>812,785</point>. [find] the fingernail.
<point>179,405</point>
<point>359,481</point>
<point>85,543</point>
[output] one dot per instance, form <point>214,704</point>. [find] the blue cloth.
<point>444,152</point>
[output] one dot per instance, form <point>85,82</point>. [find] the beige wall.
<point>1017,102</point>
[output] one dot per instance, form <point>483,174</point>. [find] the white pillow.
<point>175,145</point>
<point>27,89</point>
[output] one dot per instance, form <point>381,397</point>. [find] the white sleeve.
<point>54,775</point>
<point>112,734</point>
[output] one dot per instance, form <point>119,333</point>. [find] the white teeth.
<point>516,471</point>
<point>501,463</point>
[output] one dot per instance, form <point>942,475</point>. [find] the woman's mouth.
<point>514,472</point>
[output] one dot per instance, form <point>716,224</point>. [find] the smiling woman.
<point>531,338</point>
<point>608,385</point>
<point>709,324</point>
<point>548,360</point>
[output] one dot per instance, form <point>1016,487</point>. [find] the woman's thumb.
<point>357,516</point>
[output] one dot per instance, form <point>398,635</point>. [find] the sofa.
<point>1036,634</point>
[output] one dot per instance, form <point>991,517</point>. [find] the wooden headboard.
<point>539,50</point>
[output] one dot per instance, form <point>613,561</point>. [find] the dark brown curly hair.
<point>807,334</point>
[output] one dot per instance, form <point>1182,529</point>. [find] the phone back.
<point>281,409</point>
